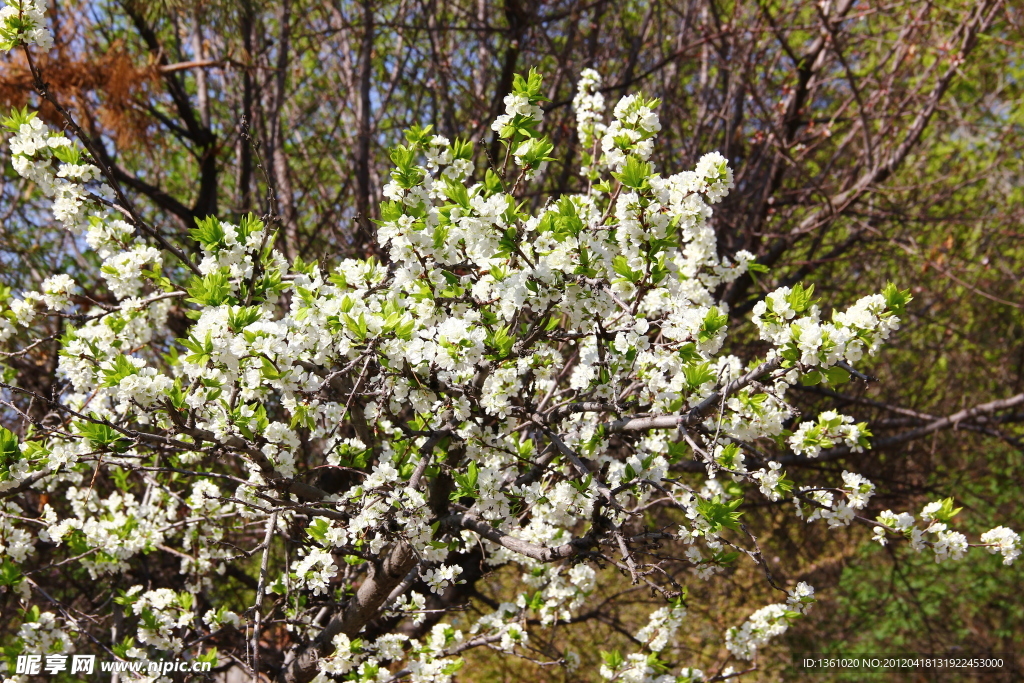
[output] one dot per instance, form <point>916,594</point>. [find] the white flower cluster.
<point>810,438</point>
<point>901,523</point>
<point>123,270</point>
<point>23,22</point>
<point>74,192</point>
<point>56,292</point>
<point>857,491</point>
<point>768,479</point>
<point>716,176</point>
<point>763,625</point>
<point>589,106</point>
<point>635,668</point>
<point>367,660</point>
<point>801,597</point>
<point>316,570</point>
<point>114,529</point>
<point>18,462</point>
<point>439,579</point>
<point>217,619</point>
<point>162,612</point>
<point>45,632</point>
<point>661,628</point>
<point>789,319</point>
<point>559,594</point>
<point>631,132</point>
<point>1003,540</point>
<point>946,543</point>
<point>768,622</point>
<point>517,105</point>
<point>505,623</point>
<point>34,148</point>
<point>14,542</point>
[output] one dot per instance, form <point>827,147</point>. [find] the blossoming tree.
<point>537,385</point>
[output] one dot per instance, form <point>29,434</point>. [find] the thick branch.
<point>516,545</point>
<point>698,412</point>
<point>363,606</point>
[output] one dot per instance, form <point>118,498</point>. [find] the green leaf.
<point>635,174</point>
<point>836,376</point>
<point>453,666</point>
<point>249,224</point>
<point>466,483</point>
<point>755,267</point>
<point>801,298</point>
<point>535,151</point>
<point>895,299</point>
<point>9,450</point>
<point>303,415</point>
<point>462,149</point>
<point>318,530</point>
<point>120,478</point>
<point>582,486</point>
<point>441,235</point>
<point>501,340</point>
<point>713,321</point>
<point>270,371</point>
<point>811,378</point>
<point>655,663</point>
<point>209,233</point>
<point>697,374</point>
<point>17,118</point>
<point>508,244</point>
<point>492,183</point>
<point>241,317</point>
<point>947,512</point>
<point>212,290</point>
<point>121,367</point>
<point>727,458</point>
<point>69,154</point>
<point>202,352</point>
<point>418,135</point>
<point>529,87</point>
<point>720,515</point>
<point>103,436</point>
<point>406,173</point>
<point>621,266</point>
<point>10,574</point>
<point>688,353</point>
<point>356,326</point>
<point>390,211</point>
<point>121,649</point>
<point>456,192</point>
<point>613,660</point>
